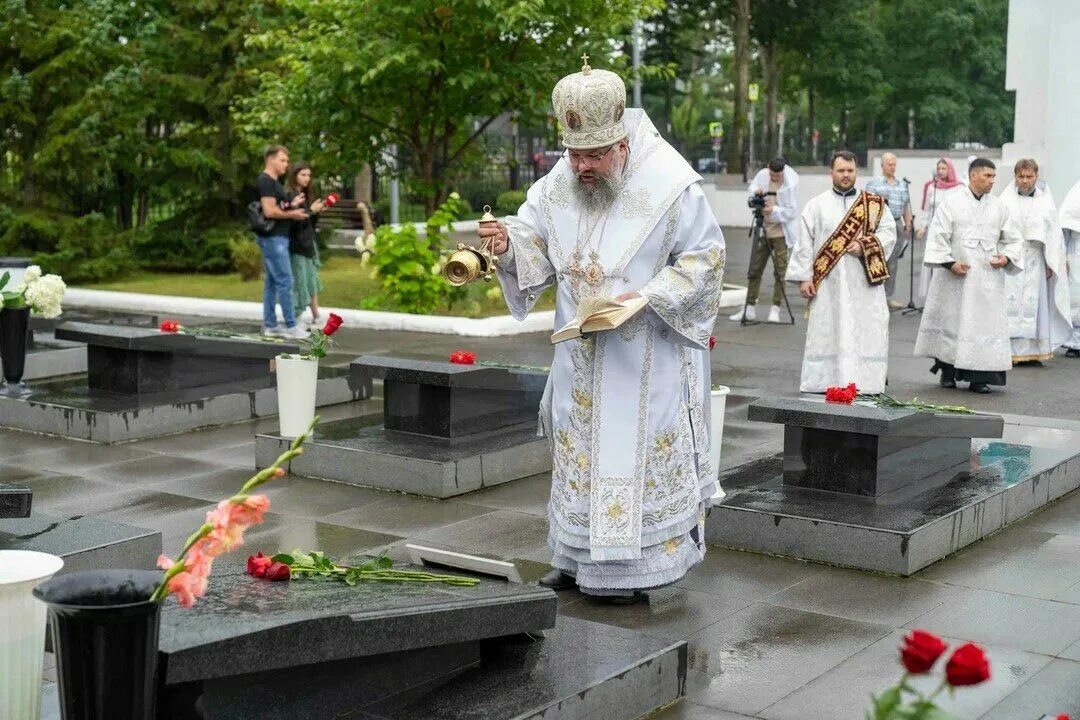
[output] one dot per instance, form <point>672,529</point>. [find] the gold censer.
<point>469,264</point>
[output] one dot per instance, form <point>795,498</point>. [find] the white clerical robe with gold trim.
<point>625,409</point>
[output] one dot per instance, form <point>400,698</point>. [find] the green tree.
<point>356,78</point>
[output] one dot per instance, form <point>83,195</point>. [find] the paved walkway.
<point>769,638</point>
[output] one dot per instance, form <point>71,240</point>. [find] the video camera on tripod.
<point>757,201</point>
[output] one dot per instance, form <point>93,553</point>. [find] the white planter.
<point>716,431</point>
<point>297,380</point>
<point>22,630</point>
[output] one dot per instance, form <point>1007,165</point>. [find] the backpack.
<point>258,222</point>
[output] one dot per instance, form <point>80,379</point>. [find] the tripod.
<point>910,308</point>
<point>757,238</point>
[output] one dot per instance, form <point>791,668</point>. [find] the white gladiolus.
<point>45,295</point>
<point>32,274</point>
<point>358,243</point>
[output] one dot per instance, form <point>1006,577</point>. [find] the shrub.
<point>187,243</point>
<point>508,202</point>
<point>409,267</point>
<point>82,249</point>
<point>246,258</point>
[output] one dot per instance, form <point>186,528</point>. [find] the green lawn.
<point>345,280</point>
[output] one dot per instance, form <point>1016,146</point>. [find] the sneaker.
<point>774,314</point>
<point>750,314</point>
<point>896,305</point>
<point>276,331</point>
<point>297,332</point>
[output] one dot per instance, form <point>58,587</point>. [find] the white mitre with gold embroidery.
<point>589,106</point>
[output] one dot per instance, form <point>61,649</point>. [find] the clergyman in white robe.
<point>1069,218</point>
<point>625,409</point>
<point>1038,306</point>
<point>847,335</point>
<point>964,324</point>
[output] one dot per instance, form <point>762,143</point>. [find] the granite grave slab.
<point>447,430</point>
<point>920,518</point>
<point>144,383</point>
<point>85,543</point>
<point>15,501</point>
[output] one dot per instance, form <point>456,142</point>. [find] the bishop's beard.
<point>600,195</point>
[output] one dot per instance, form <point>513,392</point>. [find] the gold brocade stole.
<point>861,220</point>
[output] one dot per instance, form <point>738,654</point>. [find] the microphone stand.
<point>911,308</point>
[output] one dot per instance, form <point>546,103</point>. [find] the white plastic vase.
<point>22,630</point>
<point>716,429</point>
<point>297,379</point>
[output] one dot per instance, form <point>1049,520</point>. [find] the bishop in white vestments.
<point>1070,226</point>
<point>1038,296</point>
<point>620,215</point>
<point>839,263</point>
<point>971,246</point>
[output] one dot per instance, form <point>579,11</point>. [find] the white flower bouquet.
<point>41,293</point>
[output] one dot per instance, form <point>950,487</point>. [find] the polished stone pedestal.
<point>135,360</point>
<point>923,517</point>
<point>448,430</point>
<point>865,449</point>
<point>15,501</point>
<point>84,543</point>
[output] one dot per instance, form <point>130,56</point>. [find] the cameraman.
<point>775,187</point>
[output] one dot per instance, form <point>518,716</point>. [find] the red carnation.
<point>844,395</point>
<point>921,650</point>
<point>278,571</point>
<point>712,341</point>
<point>1062,717</point>
<point>331,199</point>
<point>463,357</point>
<point>257,565</point>
<point>332,324</point>
<point>170,326</point>
<point>967,666</point>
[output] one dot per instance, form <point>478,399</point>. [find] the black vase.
<point>104,631</point>
<point>14,338</point>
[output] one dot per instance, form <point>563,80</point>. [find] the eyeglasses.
<point>592,158</point>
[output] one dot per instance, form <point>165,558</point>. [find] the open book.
<point>598,313</point>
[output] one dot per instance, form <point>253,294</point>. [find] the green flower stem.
<point>267,473</point>
<point>389,575</point>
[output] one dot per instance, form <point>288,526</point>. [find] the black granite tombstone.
<point>15,501</point>
<point>444,400</point>
<point>865,449</point>
<point>133,360</point>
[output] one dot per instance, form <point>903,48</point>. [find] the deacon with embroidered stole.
<point>971,246</point>
<point>839,262</point>
<point>621,216</point>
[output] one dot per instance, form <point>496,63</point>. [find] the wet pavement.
<point>769,637</point>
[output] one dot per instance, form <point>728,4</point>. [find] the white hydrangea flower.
<point>46,295</point>
<point>494,293</point>
<point>31,274</point>
<point>369,243</point>
<point>20,288</point>
<point>455,196</point>
<point>358,243</point>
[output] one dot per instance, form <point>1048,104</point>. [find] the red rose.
<point>170,326</point>
<point>712,341</point>
<point>967,666</point>
<point>331,199</point>
<point>332,324</point>
<point>257,565</point>
<point>1062,717</point>
<point>278,571</point>
<point>921,650</point>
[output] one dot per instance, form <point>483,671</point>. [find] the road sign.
<point>717,142</point>
<point>753,92</point>
<point>716,130</point>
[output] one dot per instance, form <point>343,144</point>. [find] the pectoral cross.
<point>585,64</point>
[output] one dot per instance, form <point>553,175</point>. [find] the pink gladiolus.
<point>230,519</point>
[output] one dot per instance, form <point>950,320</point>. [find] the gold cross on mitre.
<point>585,69</point>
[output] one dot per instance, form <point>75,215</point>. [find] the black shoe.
<point>950,384</point>
<point>981,388</point>
<point>632,599</point>
<point>1072,352</point>
<point>558,580</point>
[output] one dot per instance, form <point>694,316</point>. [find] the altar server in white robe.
<point>1038,297</point>
<point>620,215</point>
<point>847,335</point>
<point>1069,218</point>
<point>965,324</point>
